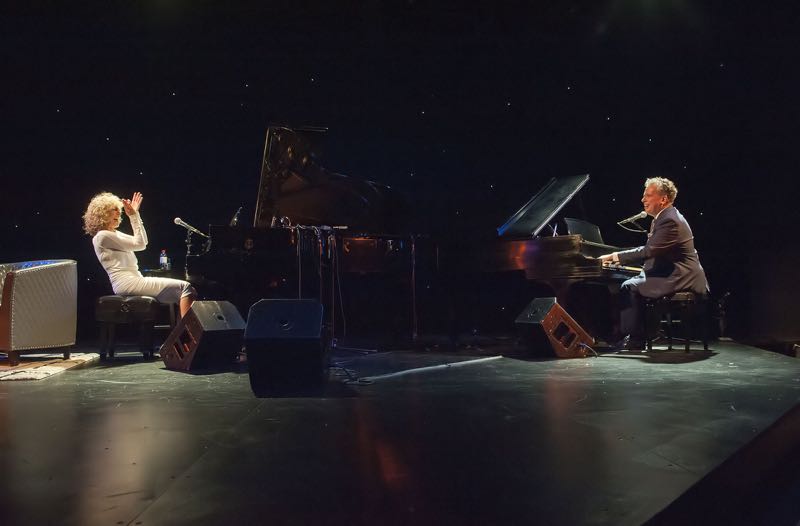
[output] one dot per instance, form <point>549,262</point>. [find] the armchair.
<point>38,306</point>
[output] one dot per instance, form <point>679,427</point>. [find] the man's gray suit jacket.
<point>671,263</point>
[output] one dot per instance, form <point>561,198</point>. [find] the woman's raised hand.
<point>132,205</point>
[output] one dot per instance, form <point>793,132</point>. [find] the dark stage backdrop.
<point>467,110</point>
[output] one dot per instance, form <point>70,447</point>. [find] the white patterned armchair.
<point>38,306</point>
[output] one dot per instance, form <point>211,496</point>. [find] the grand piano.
<point>537,252</point>
<point>559,260</point>
<point>320,234</point>
<point>315,234</point>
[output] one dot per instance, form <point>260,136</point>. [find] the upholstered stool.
<point>114,310</point>
<point>687,306</point>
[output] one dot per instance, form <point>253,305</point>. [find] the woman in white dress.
<point>115,251</point>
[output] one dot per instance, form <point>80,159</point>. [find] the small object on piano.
<point>280,222</point>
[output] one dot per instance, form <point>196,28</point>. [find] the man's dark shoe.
<point>629,344</point>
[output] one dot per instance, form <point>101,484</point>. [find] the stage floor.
<point>498,439</point>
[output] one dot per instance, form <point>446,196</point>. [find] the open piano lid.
<point>296,185</point>
<point>542,207</point>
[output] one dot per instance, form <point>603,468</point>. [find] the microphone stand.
<point>188,253</point>
<point>189,244</point>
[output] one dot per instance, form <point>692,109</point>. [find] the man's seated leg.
<point>631,312</point>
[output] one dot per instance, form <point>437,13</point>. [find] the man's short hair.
<point>664,187</point>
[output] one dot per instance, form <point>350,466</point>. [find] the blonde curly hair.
<point>98,213</point>
<point>664,187</point>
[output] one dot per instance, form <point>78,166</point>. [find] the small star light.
<point>58,110</point>
<point>508,104</point>
<point>650,139</point>
<point>569,88</point>
<point>721,64</point>
<point>411,174</point>
<point>608,118</point>
<point>313,79</point>
<point>108,139</point>
<point>422,112</point>
<point>173,93</point>
<point>246,85</point>
<point>684,166</point>
<point>613,199</point>
<point>141,173</point>
<point>491,187</point>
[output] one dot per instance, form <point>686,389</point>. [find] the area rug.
<point>40,366</point>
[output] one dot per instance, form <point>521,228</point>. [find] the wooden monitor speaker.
<point>545,324</point>
<point>208,336</point>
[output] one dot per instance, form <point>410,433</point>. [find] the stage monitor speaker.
<point>285,347</point>
<point>545,324</point>
<point>208,336</point>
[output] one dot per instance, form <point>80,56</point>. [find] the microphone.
<point>180,222</point>
<point>235,218</point>
<point>640,215</point>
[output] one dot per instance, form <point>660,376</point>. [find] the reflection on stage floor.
<point>485,435</point>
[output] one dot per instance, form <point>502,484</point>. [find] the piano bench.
<point>142,311</point>
<point>688,307</point>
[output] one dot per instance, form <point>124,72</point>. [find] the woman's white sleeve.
<point>119,241</point>
<point>139,232</point>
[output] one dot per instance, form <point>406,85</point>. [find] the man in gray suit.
<point>671,263</point>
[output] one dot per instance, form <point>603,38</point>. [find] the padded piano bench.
<point>114,310</point>
<point>690,308</point>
